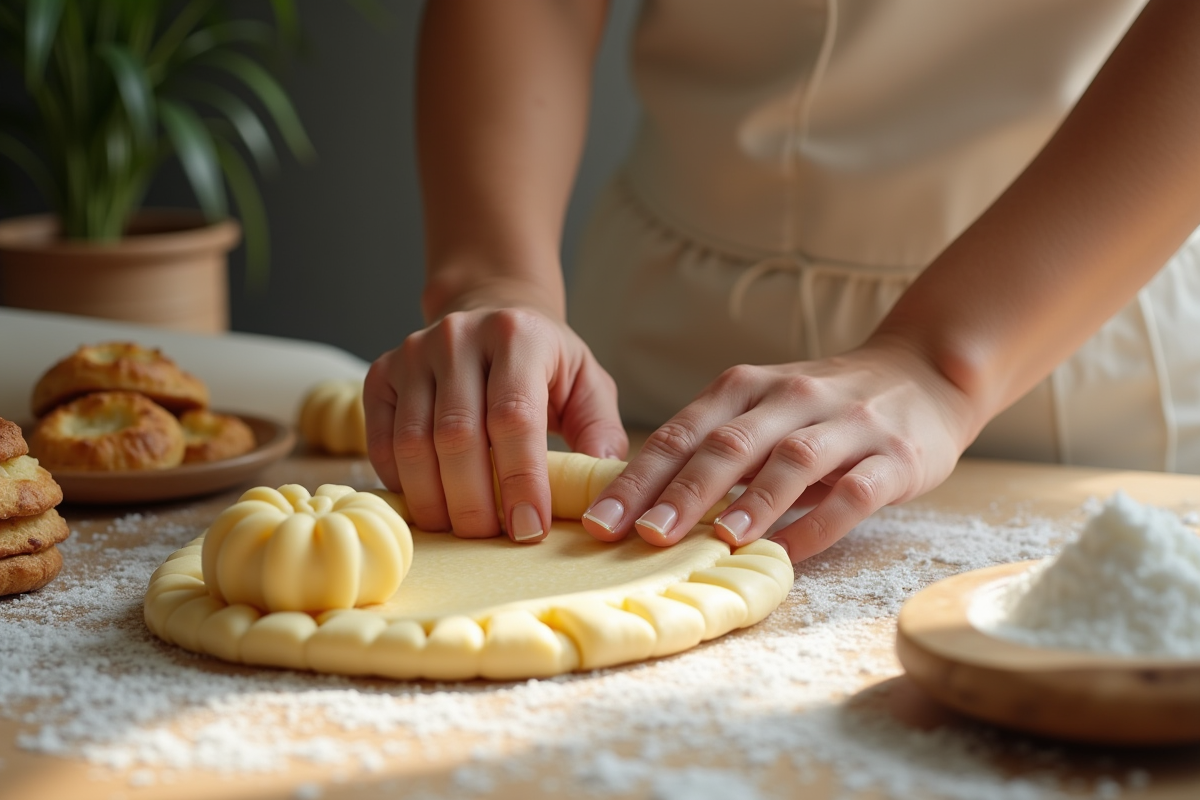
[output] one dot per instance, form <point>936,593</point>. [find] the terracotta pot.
<point>171,270</point>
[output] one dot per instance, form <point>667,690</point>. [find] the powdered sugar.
<point>85,679</point>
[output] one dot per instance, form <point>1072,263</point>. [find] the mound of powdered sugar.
<point>83,678</point>
<point>1128,585</point>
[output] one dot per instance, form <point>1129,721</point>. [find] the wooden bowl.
<point>1064,694</point>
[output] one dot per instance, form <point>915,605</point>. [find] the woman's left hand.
<point>851,434</point>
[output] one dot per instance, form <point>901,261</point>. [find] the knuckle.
<point>759,496</point>
<point>409,441</point>
<point>904,452</point>
<point>799,386</point>
<point>475,522</point>
<point>675,439</point>
<point>521,480</point>
<point>629,484</point>
<point>688,492</point>
<point>736,376</point>
<point>411,348</point>
<point>514,413</point>
<point>819,527</point>
<point>730,442</point>
<point>863,491</point>
<point>454,431</point>
<point>801,453</point>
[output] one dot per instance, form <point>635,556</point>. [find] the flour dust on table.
<point>83,678</point>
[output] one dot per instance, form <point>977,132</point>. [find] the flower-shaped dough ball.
<point>286,550</point>
<point>331,417</point>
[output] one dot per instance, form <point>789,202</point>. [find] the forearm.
<point>1103,206</point>
<point>502,98</point>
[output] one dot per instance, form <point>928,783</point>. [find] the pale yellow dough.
<point>332,419</point>
<point>286,550</point>
<point>480,608</point>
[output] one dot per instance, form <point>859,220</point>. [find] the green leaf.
<point>252,212</point>
<point>133,85</point>
<point>263,84</point>
<point>188,18</point>
<point>198,155</point>
<point>41,25</point>
<point>245,31</point>
<point>244,120</point>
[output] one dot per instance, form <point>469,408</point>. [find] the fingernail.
<point>736,523</point>
<point>659,519</point>
<point>526,524</point>
<point>607,513</point>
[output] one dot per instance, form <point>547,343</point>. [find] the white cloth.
<point>800,161</point>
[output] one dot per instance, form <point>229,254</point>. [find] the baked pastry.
<point>21,536</point>
<point>212,437</point>
<point>26,488</point>
<point>119,366</point>
<point>28,572</point>
<point>332,419</point>
<point>12,441</point>
<point>108,431</point>
<point>287,550</point>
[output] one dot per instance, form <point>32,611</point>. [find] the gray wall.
<point>346,230</point>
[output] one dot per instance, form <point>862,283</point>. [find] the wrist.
<point>471,286</point>
<point>955,373</point>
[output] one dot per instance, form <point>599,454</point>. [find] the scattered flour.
<point>1129,585</point>
<point>84,678</point>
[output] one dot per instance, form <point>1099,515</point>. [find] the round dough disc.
<point>489,608</point>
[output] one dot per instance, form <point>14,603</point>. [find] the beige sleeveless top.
<point>800,161</point>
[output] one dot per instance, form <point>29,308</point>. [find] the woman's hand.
<point>479,386</point>
<point>875,426</point>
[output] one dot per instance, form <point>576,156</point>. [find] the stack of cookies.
<point>30,528</point>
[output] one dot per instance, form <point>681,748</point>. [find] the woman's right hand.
<point>481,386</point>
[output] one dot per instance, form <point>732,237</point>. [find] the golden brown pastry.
<point>119,366</point>
<point>12,441</point>
<point>25,573</point>
<point>212,437</point>
<point>24,535</point>
<point>108,431</point>
<point>26,488</point>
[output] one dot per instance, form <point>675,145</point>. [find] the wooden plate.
<point>274,441</point>
<point>1064,694</point>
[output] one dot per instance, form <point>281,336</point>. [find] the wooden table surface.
<point>996,492</point>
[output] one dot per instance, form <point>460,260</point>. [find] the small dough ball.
<point>331,417</point>
<point>286,550</point>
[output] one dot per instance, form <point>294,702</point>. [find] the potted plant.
<point>112,89</point>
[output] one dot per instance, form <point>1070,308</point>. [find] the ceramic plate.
<point>275,441</point>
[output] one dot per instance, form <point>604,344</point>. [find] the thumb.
<point>589,421</point>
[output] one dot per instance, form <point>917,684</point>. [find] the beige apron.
<point>800,161</point>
